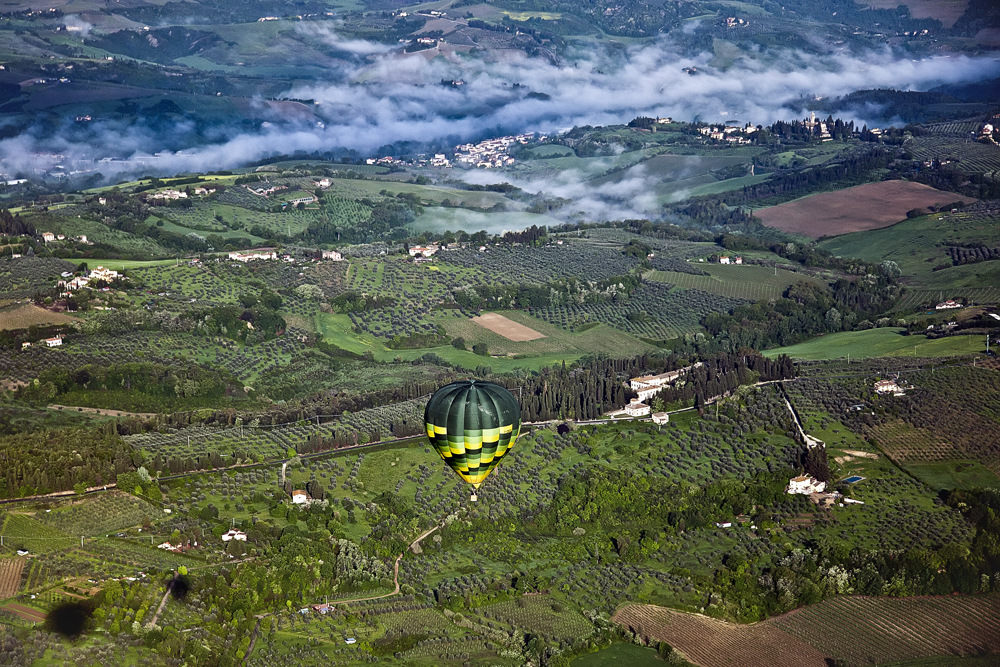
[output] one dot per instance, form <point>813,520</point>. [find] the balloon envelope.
<point>472,425</point>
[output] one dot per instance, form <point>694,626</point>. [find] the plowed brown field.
<point>10,576</point>
<point>855,629</point>
<point>869,206</point>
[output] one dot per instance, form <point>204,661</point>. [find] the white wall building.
<point>636,408</point>
<point>805,485</point>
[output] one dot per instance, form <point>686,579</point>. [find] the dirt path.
<point>415,548</point>
<point>159,609</point>
<point>100,411</point>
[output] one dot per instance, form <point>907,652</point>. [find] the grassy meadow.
<point>885,342</point>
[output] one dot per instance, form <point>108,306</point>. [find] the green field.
<point>429,193</point>
<point>955,474</point>
<point>124,264</point>
<point>918,246</point>
<point>337,330</point>
<point>887,342</point>
<point>547,151</point>
<point>600,339</point>
<point>620,654</point>
<point>756,283</point>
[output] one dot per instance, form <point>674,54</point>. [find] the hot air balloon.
<point>472,425</point>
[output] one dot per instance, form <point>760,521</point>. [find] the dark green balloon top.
<point>472,425</point>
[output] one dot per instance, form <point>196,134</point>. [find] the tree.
<point>481,349</point>
<point>890,269</point>
<point>308,291</point>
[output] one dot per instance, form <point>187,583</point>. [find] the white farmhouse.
<point>805,485</point>
<point>636,408</point>
<point>332,254</point>
<point>889,387</point>
<point>54,342</point>
<point>660,418</point>
<point>300,497</point>
<point>237,535</point>
<point>424,251</point>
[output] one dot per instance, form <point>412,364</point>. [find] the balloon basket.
<point>474,498</point>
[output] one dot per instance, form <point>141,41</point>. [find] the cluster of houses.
<point>49,237</point>
<point>169,194</point>
<point>267,254</point>
<point>732,134</point>
<point>425,251</point>
<point>100,274</point>
<point>647,386</point>
<point>253,255</point>
<point>491,153</point>
<point>946,305</point>
<point>816,490</point>
<point>386,161</point>
<point>812,124</point>
<point>725,259</point>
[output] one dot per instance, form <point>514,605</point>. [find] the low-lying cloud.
<point>329,36</point>
<point>389,97</point>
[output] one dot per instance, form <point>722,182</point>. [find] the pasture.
<point>919,246</point>
<point>954,474</point>
<point>620,654</point>
<point>600,339</point>
<point>554,347</point>
<point>863,207</point>
<point>883,342</point>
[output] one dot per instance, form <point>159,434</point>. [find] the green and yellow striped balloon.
<point>472,425</point>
